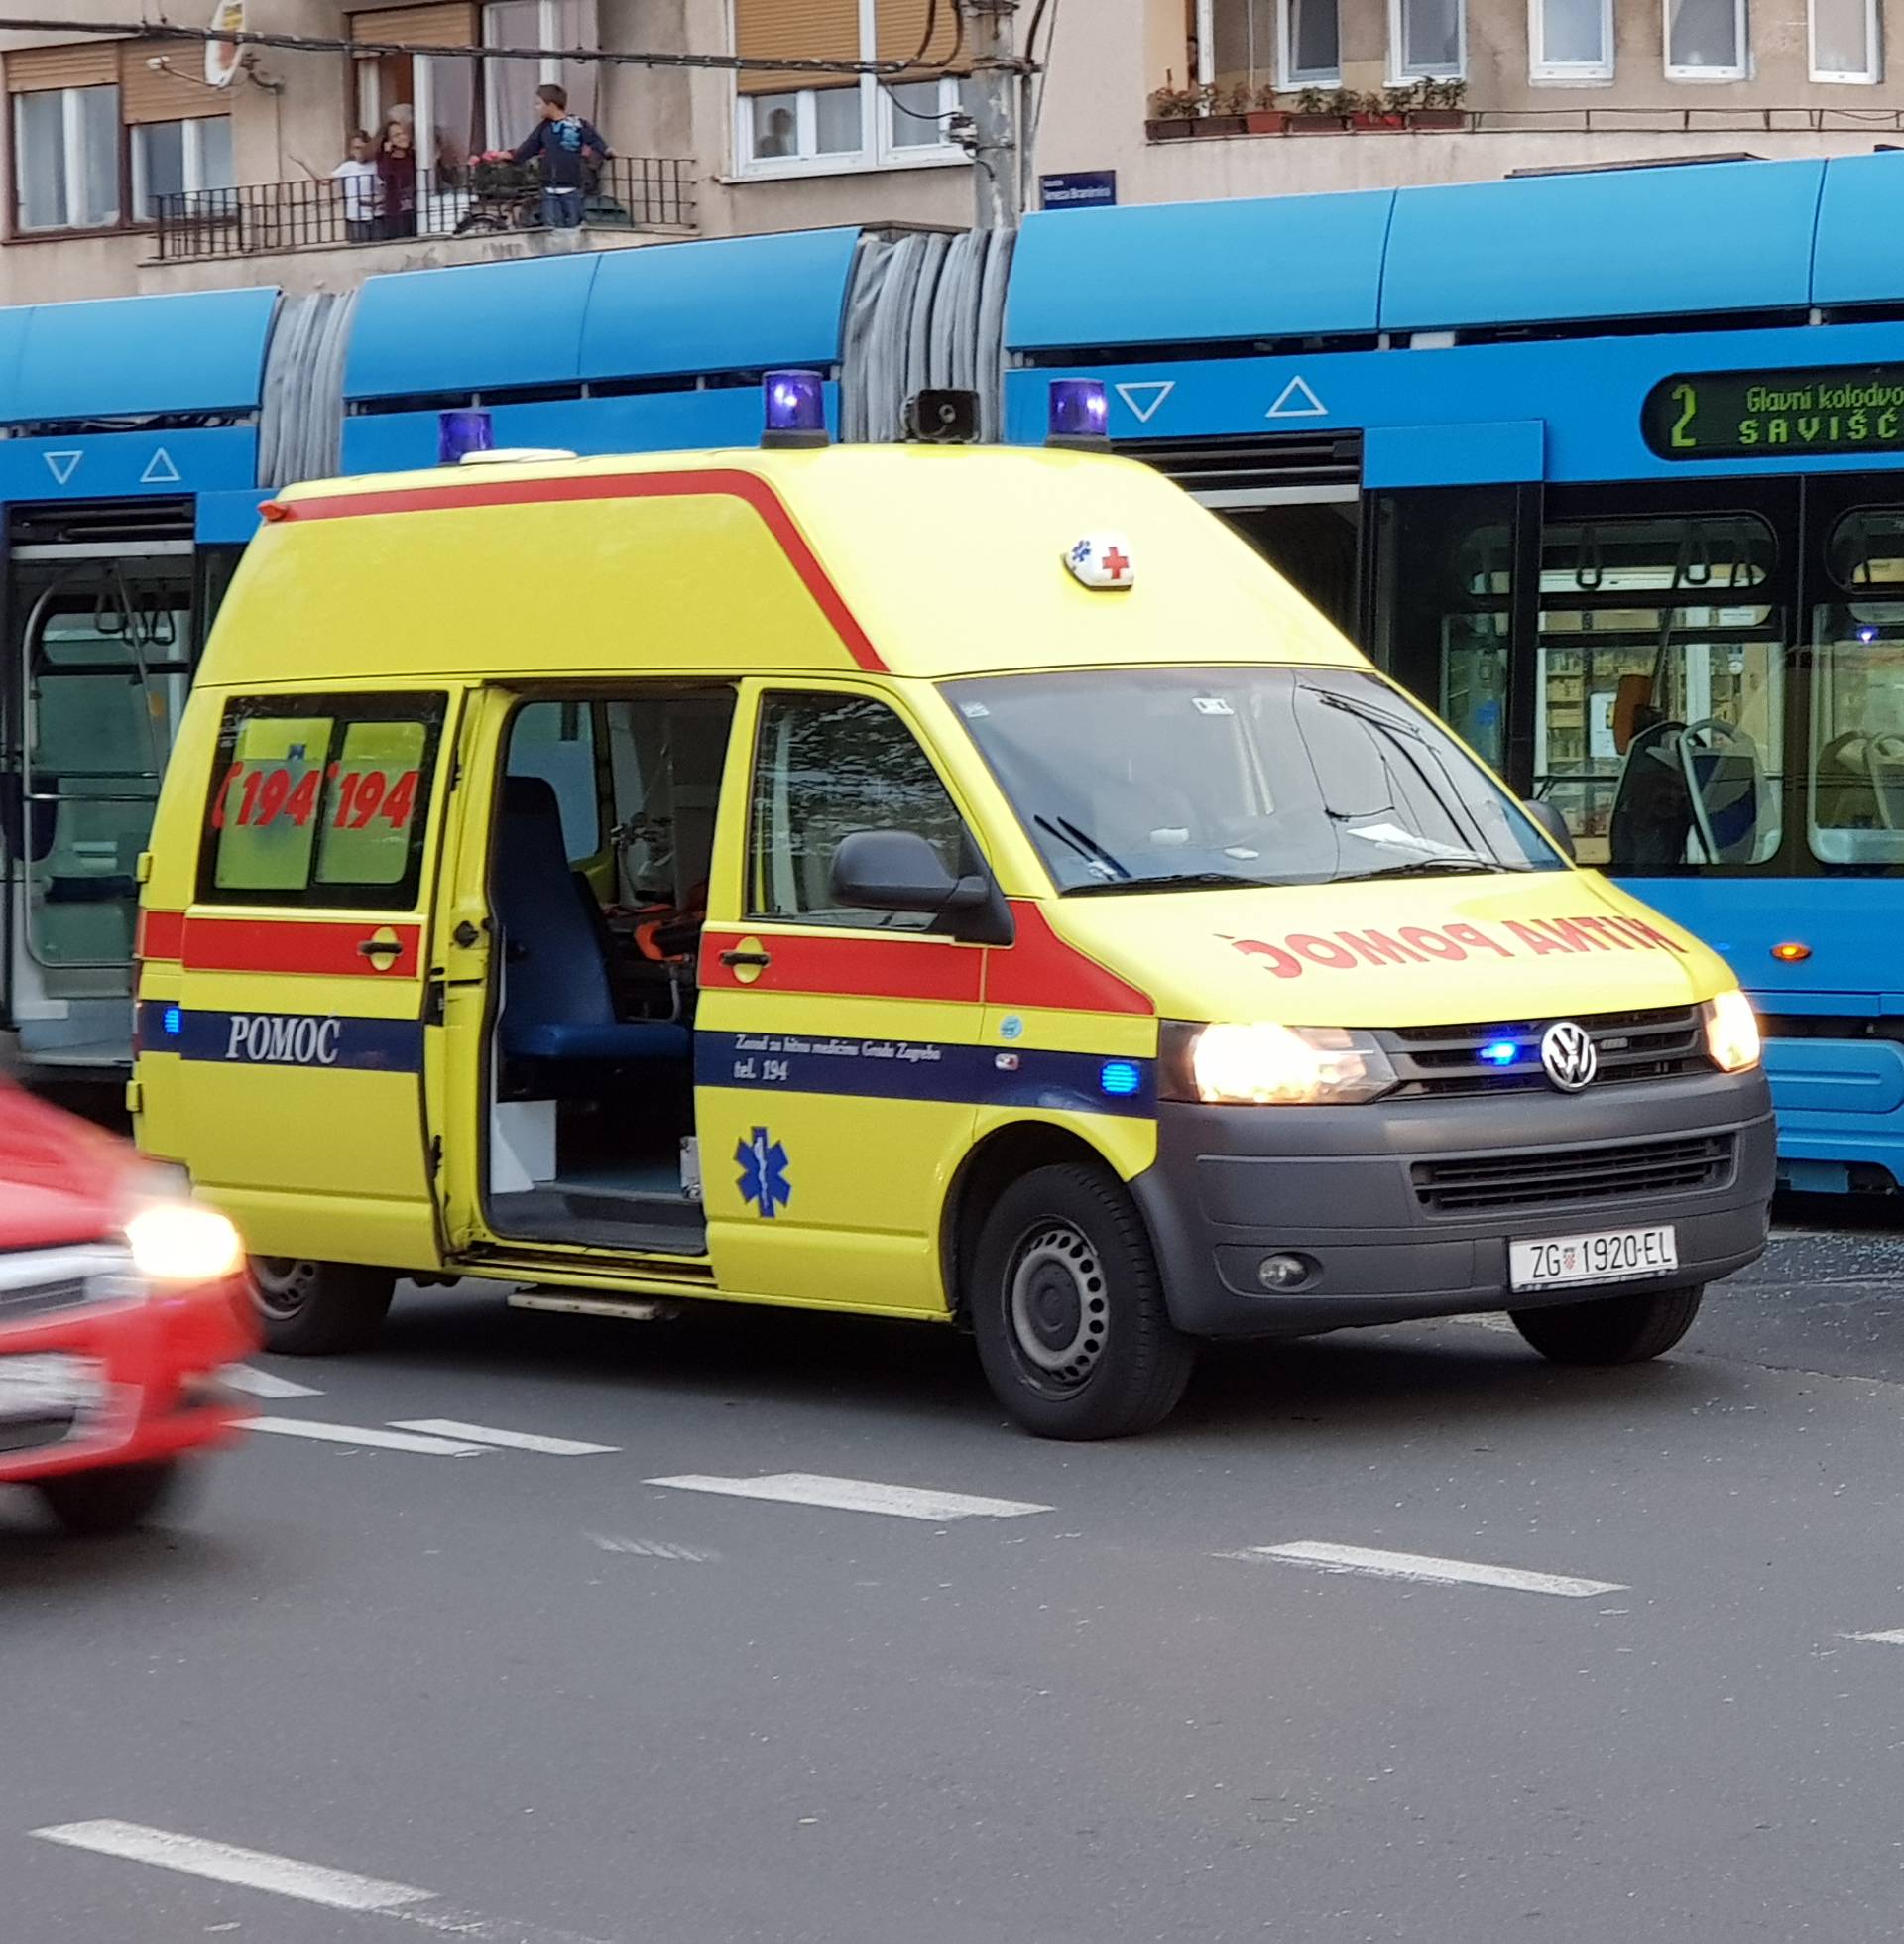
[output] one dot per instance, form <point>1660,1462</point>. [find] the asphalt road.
<point>529,1695</point>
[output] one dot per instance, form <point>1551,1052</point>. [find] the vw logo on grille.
<point>1567,1052</point>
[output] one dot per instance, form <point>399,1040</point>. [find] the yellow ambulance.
<point>937,882</point>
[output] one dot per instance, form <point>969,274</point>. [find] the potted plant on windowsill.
<point>1264,117</point>
<point>1439,106</point>
<point>1314,114</point>
<point>1379,111</point>
<point>1221,110</point>
<point>1172,111</point>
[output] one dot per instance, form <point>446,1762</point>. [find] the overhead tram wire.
<point>148,29</point>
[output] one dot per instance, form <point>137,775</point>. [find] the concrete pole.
<point>997,104</point>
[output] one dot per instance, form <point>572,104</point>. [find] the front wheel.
<point>318,1309</point>
<point>1068,1309</point>
<point>1610,1329</point>
<point>113,1498</point>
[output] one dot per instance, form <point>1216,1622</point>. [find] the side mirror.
<point>898,871</point>
<point>1551,821</point>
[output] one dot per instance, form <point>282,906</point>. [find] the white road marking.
<point>307,1883</point>
<point>262,1384</point>
<point>444,1428</point>
<point>1891,1636</point>
<point>856,1495</point>
<point>654,1549</point>
<point>299,1427</point>
<point>256,1869</point>
<point>1425,1570</point>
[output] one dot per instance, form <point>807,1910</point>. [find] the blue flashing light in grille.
<point>1120,1078</point>
<point>1500,1052</point>
<point>174,1022</point>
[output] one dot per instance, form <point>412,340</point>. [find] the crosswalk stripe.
<point>855,1494</point>
<point>1426,1570</point>
<point>358,1434</point>
<point>446,1427</point>
<point>264,1384</point>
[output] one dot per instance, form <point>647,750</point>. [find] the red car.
<point>119,1302</point>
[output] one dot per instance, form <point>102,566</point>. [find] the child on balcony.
<point>568,146</point>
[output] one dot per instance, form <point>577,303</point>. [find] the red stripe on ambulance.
<point>161,934</point>
<point>328,947</point>
<point>1041,970</point>
<point>728,484</point>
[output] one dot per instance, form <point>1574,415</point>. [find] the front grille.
<point>32,1433</point>
<point>1564,1177</point>
<point>37,1282</point>
<point>1445,1061</point>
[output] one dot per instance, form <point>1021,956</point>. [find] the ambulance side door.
<point>302,989</point>
<point>834,1048</point>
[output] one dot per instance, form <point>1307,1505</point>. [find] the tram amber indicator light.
<point>1773,415</point>
<point>795,409</point>
<point>1080,411</point>
<point>461,432</point>
<point>1791,952</point>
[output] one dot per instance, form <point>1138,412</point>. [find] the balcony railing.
<point>624,192</point>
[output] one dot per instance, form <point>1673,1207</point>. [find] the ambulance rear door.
<point>303,992</point>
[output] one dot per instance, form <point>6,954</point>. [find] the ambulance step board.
<point>629,1309</point>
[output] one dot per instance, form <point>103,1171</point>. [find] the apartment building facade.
<point>130,164</point>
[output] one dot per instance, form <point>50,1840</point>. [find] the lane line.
<point>654,1549</point>
<point>855,1494</point>
<point>226,1863</point>
<point>1890,1637</point>
<point>305,1882</point>
<point>446,1427</point>
<point>264,1384</point>
<point>299,1427</point>
<point>1425,1570</point>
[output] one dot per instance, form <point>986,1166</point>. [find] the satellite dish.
<point>222,57</point>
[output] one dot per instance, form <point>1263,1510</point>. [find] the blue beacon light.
<point>1120,1078</point>
<point>1080,413</point>
<point>459,433</point>
<point>795,407</point>
<point>174,1022</point>
<point>1500,1052</point>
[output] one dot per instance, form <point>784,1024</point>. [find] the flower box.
<point>1436,118</point>
<point>1217,125</point>
<point>1301,124</point>
<point>1175,128</point>
<point>1265,121</point>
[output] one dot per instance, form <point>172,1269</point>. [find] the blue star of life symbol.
<point>763,1164</point>
<point>1081,553</point>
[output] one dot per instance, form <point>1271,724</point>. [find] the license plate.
<point>47,1385</point>
<point>1607,1256</point>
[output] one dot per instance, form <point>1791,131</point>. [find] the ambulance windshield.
<point>1167,779</point>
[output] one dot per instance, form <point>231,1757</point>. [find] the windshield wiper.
<point>1435,867</point>
<point>1080,841</point>
<point>1175,881</point>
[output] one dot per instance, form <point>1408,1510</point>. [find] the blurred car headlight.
<point>1731,1031</point>
<point>1261,1064</point>
<point>181,1241</point>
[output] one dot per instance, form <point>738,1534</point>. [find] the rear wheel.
<point>114,1499</point>
<point>1065,1300</point>
<point>318,1309</point>
<point>1611,1329</point>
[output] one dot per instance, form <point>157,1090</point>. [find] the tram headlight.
<point>1733,1040</point>
<point>1258,1063</point>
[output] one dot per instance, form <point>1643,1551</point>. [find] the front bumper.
<point>1339,1187</point>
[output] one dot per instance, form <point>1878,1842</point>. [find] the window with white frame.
<point>1704,40</point>
<point>1569,40</point>
<point>66,158</point>
<point>788,123</point>
<point>1427,40</point>
<point>178,158</point>
<point>1310,55</point>
<point>509,86</point>
<point>1844,41</point>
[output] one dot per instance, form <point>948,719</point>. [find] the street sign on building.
<point>1091,189</point>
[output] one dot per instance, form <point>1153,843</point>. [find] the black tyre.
<point>1610,1329</point>
<point>112,1499</point>
<point>1065,1300</point>
<point>318,1309</point>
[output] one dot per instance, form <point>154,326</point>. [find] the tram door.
<point>103,639</point>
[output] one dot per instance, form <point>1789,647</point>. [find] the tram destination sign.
<point>1747,414</point>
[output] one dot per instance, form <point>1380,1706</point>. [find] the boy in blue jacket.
<point>566,145</point>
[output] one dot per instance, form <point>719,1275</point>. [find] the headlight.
<point>1265,1065</point>
<point>180,1242</point>
<point>1731,1031</point>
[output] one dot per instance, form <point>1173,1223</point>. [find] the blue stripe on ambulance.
<point>326,1040</point>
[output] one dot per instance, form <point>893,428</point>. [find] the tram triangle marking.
<point>63,465</point>
<point>1152,390</point>
<point>159,471</point>
<point>1297,400</point>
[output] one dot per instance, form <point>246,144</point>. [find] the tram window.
<point>1658,718</point>
<point>1856,808</point>
<point>1866,548</point>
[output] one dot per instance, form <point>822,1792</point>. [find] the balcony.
<point>627,193</point>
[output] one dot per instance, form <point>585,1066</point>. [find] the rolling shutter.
<point>84,63</point>
<point>418,27</point>
<point>158,95</point>
<point>903,34</point>
<point>801,30</point>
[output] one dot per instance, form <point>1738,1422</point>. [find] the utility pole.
<point>996,142</point>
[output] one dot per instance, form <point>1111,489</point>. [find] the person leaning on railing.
<point>566,147</point>
<point>358,185</point>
